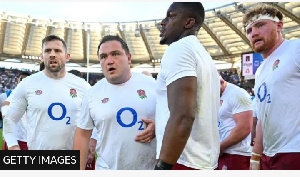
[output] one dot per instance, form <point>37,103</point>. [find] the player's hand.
<point>148,134</point>
<point>254,166</point>
<point>90,158</point>
<point>16,147</point>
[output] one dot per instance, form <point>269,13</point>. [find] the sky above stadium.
<point>95,11</point>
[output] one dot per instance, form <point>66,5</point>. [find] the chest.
<point>133,102</point>
<point>53,97</point>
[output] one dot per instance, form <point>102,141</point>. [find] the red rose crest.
<point>276,63</point>
<point>221,102</point>
<point>73,93</point>
<point>105,100</point>
<point>142,94</point>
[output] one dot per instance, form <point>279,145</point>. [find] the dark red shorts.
<point>281,161</point>
<point>22,144</point>
<point>233,162</point>
<point>182,167</point>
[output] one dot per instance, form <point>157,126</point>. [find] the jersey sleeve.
<point>19,99</point>
<point>10,126</point>
<point>84,120</point>
<point>94,134</point>
<point>297,58</point>
<point>180,62</point>
<point>241,102</point>
<point>16,110</point>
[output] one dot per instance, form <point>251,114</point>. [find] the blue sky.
<point>94,11</point>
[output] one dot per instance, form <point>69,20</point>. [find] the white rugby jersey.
<point>234,100</point>
<point>52,106</point>
<point>21,125</point>
<point>116,111</point>
<point>187,57</point>
<point>277,90</point>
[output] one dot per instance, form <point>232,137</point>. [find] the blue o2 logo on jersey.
<point>63,115</point>
<point>262,93</point>
<point>134,118</point>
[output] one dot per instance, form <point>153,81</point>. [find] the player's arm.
<point>257,148</point>
<point>253,132</point>
<point>81,142</point>
<point>181,95</point>
<point>244,121</point>
<point>10,121</point>
<point>148,134</point>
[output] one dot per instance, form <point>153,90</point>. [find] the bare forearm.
<point>81,142</point>
<point>236,135</point>
<point>175,138</point>
<point>258,145</point>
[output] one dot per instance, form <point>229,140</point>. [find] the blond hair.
<point>261,9</point>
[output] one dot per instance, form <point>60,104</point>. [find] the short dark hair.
<point>113,38</point>
<point>194,10</point>
<point>24,73</point>
<point>76,73</point>
<point>53,37</point>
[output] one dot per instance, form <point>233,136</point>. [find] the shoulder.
<point>291,45</point>
<point>98,85</point>
<point>238,91</point>
<point>78,80</point>
<point>33,77</point>
<point>142,78</point>
<point>184,43</point>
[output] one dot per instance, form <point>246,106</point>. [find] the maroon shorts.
<point>90,166</point>
<point>182,167</point>
<point>233,162</point>
<point>22,144</point>
<point>4,145</point>
<point>281,161</point>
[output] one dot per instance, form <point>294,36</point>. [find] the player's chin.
<point>163,40</point>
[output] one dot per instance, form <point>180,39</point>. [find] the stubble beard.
<point>56,69</point>
<point>268,44</point>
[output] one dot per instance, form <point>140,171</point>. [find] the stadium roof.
<point>222,35</point>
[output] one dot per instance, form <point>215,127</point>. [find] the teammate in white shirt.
<point>52,100</point>
<point>117,106</point>
<point>235,125</point>
<point>277,80</point>
<point>188,94</point>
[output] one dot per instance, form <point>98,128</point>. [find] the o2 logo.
<point>265,93</point>
<point>134,118</point>
<point>63,115</point>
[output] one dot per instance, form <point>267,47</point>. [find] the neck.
<point>269,52</point>
<point>187,33</point>
<point>223,87</point>
<point>55,75</point>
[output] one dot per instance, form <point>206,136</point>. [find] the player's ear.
<point>68,57</point>
<point>129,58</point>
<point>190,23</point>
